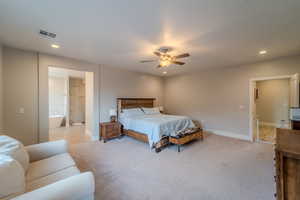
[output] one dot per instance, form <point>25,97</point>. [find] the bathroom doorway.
<point>270,102</point>
<point>69,105</point>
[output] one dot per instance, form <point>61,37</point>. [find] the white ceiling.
<point>217,33</point>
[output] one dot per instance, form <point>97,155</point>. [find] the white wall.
<point>272,106</point>
<point>20,92</point>
<point>89,102</point>
<point>1,95</point>
<point>116,83</point>
<point>220,97</point>
<point>57,96</point>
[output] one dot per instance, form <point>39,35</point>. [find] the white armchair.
<point>52,175</point>
<point>77,187</point>
<point>45,150</point>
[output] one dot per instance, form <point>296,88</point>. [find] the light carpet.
<point>217,168</point>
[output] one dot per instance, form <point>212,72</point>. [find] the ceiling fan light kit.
<point>165,59</point>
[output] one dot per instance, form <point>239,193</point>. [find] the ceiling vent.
<point>47,34</point>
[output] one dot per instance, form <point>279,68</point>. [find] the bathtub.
<point>55,121</point>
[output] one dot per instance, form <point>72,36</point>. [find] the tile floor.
<point>73,134</point>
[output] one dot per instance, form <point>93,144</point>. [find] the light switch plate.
<point>21,110</point>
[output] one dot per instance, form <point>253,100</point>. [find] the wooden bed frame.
<point>127,103</point>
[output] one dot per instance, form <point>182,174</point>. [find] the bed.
<point>152,128</point>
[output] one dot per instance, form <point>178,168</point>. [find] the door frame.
<point>252,102</point>
<point>45,61</point>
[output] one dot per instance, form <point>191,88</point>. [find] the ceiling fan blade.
<point>178,63</point>
<point>182,55</point>
<point>157,53</point>
<point>145,61</point>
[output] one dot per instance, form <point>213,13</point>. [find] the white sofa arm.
<point>78,187</point>
<point>46,150</point>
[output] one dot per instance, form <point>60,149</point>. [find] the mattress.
<point>155,126</point>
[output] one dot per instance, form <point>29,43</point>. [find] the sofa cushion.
<point>49,166</point>
<point>78,187</point>
<point>12,177</point>
<point>12,147</point>
<point>46,180</point>
<point>46,149</point>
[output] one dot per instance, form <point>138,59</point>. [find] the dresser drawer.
<point>110,134</point>
<point>110,130</point>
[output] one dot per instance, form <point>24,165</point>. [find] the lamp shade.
<point>112,112</point>
<point>161,108</point>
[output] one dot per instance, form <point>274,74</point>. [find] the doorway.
<point>270,101</point>
<point>69,105</point>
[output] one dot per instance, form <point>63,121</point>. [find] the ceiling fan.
<point>165,59</point>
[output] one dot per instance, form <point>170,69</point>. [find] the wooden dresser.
<point>109,130</point>
<point>287,157</point>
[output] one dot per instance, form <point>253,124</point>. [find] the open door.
<point>254,121</point>
<point>294,90</point>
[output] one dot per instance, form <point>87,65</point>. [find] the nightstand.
<point>109,130</point>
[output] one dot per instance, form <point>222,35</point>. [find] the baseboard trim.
<point>286,125</point>
<point>93,137</point>
<point>88,132</point>
<point>229,134</point>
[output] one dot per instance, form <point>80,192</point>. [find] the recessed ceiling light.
<point>164,72</point>
<point>262,52</point>
<point>55,46</point>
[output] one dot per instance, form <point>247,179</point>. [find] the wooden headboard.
<point>127,103</point>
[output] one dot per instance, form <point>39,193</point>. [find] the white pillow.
<point>12,177</point>
<point>150,111</point>
<point>132,112</point>
<point>12,147</point>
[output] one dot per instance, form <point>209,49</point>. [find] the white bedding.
<point>157,125</point>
